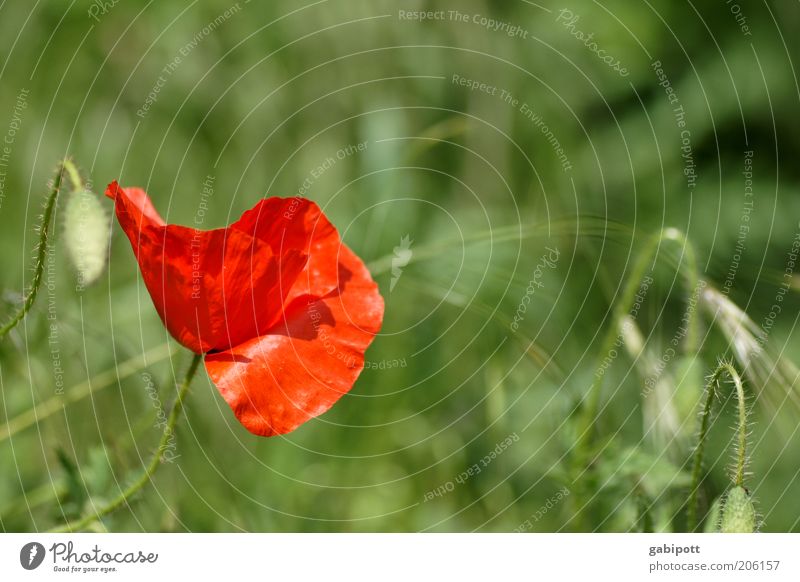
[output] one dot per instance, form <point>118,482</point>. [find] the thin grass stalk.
<point>102,380</point>
<point>589,414</point>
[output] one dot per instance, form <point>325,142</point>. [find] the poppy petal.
<point>276,382</point>
<point>214,289</point>
<point>320,240</point>
<point>135,205</point>
<point>287,223</point>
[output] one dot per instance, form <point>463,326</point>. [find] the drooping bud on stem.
<point>86,234</point>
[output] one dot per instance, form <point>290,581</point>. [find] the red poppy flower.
<point>281,308</point>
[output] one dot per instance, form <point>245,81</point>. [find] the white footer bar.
<point>389,557</point>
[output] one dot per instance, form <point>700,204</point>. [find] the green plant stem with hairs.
<point>589,413</point>
<point>712,390</point>
<point>123,498</point>
<point>44,238</point>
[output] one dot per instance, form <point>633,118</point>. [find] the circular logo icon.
<point>31,555</point>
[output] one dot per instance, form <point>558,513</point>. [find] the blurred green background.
<point>258,96</point>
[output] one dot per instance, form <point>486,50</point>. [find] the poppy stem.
<point>123,498</point>
<point>712,390</point>
<point>41,255</point>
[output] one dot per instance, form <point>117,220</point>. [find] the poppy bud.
<point>738,514</point>
<point>86,235</point>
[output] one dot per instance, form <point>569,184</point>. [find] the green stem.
<point>44,237</point>
<point>41,255</point>
<point>155,462</point>
<point>741,450</point>
<point>712,390</point>
<point>589,414</point>
<point>697,467</point>
<point>644,522</point>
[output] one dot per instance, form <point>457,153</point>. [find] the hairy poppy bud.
<point>86,234</point>
<point>738,514</point>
